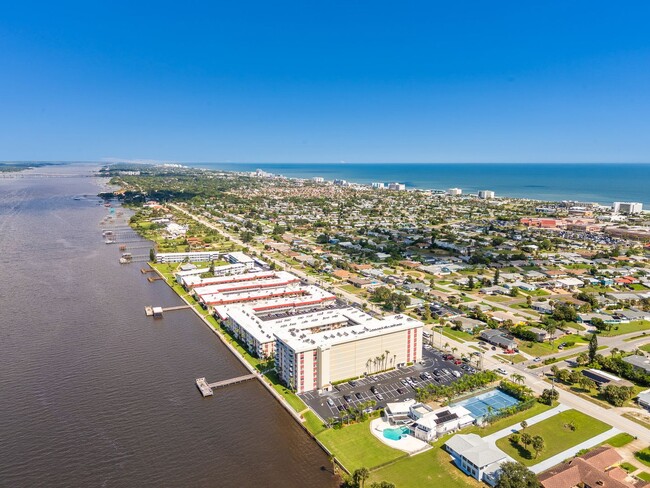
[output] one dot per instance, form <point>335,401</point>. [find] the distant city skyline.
<point>424,82</point>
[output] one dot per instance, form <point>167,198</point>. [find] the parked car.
<point>537,359</point>
<point>379,396</point>
<point>373,389</point>
<point>330,402</point>
<point>400,391</point>
<point>358,395</point>
<point>347,398</point>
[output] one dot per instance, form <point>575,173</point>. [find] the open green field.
<point>557,436</point>
<point>457,334</point>
<point>430,468</point>
<point>355,447</point>
<point>546,348</point>
<point>645,347</point>
<point>515,419</point>
<point>635,326</point>
<point>498,298</point>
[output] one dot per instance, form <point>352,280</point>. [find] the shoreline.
<point>258,375</point>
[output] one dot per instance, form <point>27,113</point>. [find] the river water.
<point>92,392</point>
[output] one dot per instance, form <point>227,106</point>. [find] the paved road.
<point>350,297</point>
<point>571,400</point>
<point>610,416</point>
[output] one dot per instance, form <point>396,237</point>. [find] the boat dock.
<point>206,388</point>
<point>203,386</point>
<point>157,312</point>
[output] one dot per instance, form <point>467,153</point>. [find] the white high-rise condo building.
<point>397,186</point>
<point>628,207</point>
<point>379,186</point>
<point>486,194</point>
<point>454,192</point>
<point>355,344</point>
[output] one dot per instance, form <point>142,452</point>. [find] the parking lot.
<point>391,386</point>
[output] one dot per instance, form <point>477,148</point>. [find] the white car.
<point>501,371</point>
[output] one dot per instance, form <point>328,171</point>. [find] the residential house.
<point>595,469</point>
<point>476,457</point>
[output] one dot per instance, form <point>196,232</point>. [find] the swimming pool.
<point>396,433</point>
<point>478,405</point>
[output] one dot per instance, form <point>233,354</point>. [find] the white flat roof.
<point>368,326</point>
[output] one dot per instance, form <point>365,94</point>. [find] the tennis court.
<point>478,405</point>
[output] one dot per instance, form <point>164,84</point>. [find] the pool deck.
<point>408,444</point>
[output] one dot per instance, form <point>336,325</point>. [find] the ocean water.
<point>601,183</point>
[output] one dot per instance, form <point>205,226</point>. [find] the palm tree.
<point>453,350</point>
<point>387,353</point>
<point>518,378</point>
<point>360,476</point>
<point>446,346</point>
<point>368,363</point>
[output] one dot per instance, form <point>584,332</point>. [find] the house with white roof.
<point>476,457</point>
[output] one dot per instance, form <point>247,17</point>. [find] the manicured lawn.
<point>630,468</point>
<point>355,447</point>
<point>313,423</point>
<point>457,334</point>
<point>431,468</point>
<point>619,440</point>
<point>546,348</point>
<point>557,437</point>
<point>643,456</point>
<point>645,347</point>
<point>644,475</point>
<point>498,298</point>
<point>512,358</point>
<point>508,421</point>
<point>635,326</point>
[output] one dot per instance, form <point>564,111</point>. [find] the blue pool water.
<point>396,433</point>
<point>478,405</point>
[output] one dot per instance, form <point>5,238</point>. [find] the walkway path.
<point>492,438</point>
<point>558,458</point>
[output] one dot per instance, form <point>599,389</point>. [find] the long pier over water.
<point>206,388</point>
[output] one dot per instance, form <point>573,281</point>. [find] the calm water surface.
<point>93,393</point>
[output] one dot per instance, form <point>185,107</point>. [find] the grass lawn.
<point>634,326</point>
<point>498,298</point>
<point>355,447</point>
<point>431,468</point>
<point>515,419</point>
<point>514,358</point>
<point>351,289</point>
<point>645,347</point>
<point>619,440</point>
<point>546,348</point>
<point>643,475</point>
<point>557,437</point>
<point>630,468</point>
<point>457,334</point>
<point>313,423</point>
<point>643,456</point>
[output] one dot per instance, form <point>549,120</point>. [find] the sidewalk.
<point>492,438</point>
<point>558,458</point>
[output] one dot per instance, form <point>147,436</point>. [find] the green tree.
<point>496,277</point>
<point>593,348</point>
<point>152,255</point>
<point>360,476</point>
<point>523,425</point>
<point>516,475</point>
<point>538,445</point>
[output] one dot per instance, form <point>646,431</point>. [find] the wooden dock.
<point>157,312</point>
<point>206,388</point>
<point>145,270</point>
<point>151,279</point>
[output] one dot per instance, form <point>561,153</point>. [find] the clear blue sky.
<point>359,81</point>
